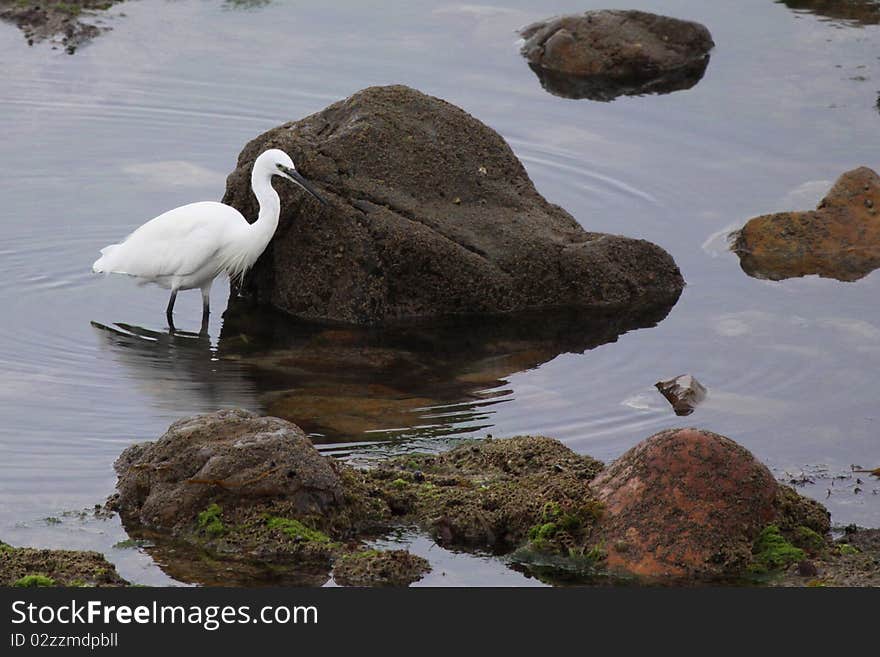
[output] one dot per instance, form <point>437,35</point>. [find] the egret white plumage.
<point>188,247</point>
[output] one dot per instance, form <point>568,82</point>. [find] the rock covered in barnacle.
<point>430,214</point>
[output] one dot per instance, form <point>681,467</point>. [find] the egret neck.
<point>262,230</point>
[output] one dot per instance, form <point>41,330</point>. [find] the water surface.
<point>153,114</point>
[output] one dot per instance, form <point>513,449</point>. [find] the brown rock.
<point>430,213</point>
<point>687,502</point>
<point>839,239</point>
<point>58,21</point>
<point>233,458</point>
<point>607,53</point>
<point>380,568</point>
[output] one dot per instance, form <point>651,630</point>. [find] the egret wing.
<point>179,242</point>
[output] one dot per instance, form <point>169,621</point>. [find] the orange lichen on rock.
<point>839,239</point>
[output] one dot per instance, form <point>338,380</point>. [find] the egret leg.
<point>206,310</point>
<point>169,311</point>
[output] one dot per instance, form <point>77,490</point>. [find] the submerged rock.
<point>684,392</point>
<point>691,503</point>
<point>32,567</point>
<point>52,19</point>
<point>839,239</point>
<point>608,53</point>
<point>430,213</point>
<point>379,568</point>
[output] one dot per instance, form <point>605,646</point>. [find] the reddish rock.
<point>839,239</point>
<point>690,503</point>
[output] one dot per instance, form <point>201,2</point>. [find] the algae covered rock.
<point>683,503</point>
<point>32,567</point>
<point>61,22</point>
<point>430,213</point>
<point>608,53</point>
<point>379,568</point>
<point>225,458</point>
<point>243,488</point>
<point>839,239</point>
<point>489,493</point>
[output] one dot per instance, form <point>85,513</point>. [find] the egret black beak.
<point>294,175</point>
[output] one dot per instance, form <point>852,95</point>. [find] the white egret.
<point>188,247</point>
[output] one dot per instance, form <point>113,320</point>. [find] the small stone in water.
<point>684,392</point>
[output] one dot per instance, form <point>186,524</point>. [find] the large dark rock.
<point>839,239</point>
<point>430,214</point>
<point>608,53</point>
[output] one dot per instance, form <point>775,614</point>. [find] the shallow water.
<point>153,114</point>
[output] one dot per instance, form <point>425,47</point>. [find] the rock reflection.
<point>858,12</point>
<point>191,565</point>
<point>607,88</point>
<point>406,382</point>
<point>413,380</point>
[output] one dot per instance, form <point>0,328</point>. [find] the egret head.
<point>278,163</point>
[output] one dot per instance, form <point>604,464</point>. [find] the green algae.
<point>808,540</point>
<point>209,521</point>
<point>33,581</point>
<point>846,548</point>
<point>297,530</point>
<point>772,551</point>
